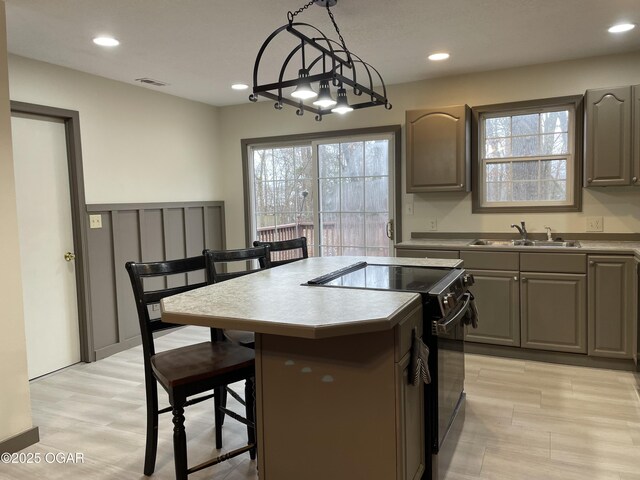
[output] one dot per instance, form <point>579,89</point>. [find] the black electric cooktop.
<point>387,277</point>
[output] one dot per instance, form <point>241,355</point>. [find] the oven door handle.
<point>444,326</point>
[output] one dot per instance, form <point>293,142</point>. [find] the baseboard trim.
<point>118,347</point>
<point>20,441</point>
<point>127,344</point>
<point>575,359</point>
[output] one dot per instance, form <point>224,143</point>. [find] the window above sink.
<point>527,156</point>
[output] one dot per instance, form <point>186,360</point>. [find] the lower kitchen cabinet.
<point>553,308</point>
<point>612,290</point>
<point>497,298</point>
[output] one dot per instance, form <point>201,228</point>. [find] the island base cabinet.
<point>339,408</point>
<point>553,311</point>
<point>497,295</point>
<point>612,304</point>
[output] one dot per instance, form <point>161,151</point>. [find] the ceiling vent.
<point>151,81</point>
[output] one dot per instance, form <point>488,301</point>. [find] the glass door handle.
<point>390,229</point>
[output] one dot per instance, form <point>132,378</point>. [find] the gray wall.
<point>140,232</point>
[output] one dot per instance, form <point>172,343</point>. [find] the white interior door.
<point>45,227</point>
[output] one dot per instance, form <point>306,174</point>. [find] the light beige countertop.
<point>274,301</point>
<point>586,246</point>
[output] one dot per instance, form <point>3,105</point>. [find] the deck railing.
<point>289,231</point>
<point>330,237</point>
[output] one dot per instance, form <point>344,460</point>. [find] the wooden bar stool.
<point>187,371</point>
<point>282,252</point>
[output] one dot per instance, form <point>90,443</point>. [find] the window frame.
<point>393,130</point>
<point>529,106</point>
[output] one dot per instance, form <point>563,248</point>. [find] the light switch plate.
<point>95,221</point>
<point>595,224</point>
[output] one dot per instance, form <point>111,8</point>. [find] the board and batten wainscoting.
<point>141,232</point>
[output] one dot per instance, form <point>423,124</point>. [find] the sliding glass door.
<point>336,192</point>
<point>354,190</point>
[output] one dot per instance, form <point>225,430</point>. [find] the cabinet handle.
<point>589,180</point>
<point>635,179</point>
<point>524,279</point>
<point>515,278</point>
<point>592,263</point>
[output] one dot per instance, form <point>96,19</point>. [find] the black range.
<point>447,307</point>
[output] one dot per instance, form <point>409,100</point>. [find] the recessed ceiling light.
<point>435,57</point>
<point>239,86</point>
<point>621,27</point>
<point>106,41</point>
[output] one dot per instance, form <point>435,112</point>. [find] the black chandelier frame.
<point>338,68</point>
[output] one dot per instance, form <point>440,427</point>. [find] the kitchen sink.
<point>527,243</point>
<point>495,243</point>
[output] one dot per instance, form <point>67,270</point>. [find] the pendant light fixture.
<point>342,105</point>
<point>303,90</point>
<point>325,100</point>
<point>330,64</point>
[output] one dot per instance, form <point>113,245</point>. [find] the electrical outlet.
<point>431,224</point>
<point>95,221</point>
<point>595,224</point>
<point>408,204</point>
<point>155,307</point>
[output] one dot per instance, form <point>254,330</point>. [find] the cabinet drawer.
<point>553,262</point>
<point>403,332</point>
<point>422,253</point>
<point>490,260</point>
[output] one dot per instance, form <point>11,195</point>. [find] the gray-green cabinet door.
<point>497,296</point>
<point>553,311</point>
<point>635,179</point>
<point>612,304</point>
<point>410,421</point>
<point>608,137</point>
<point>438,149</point>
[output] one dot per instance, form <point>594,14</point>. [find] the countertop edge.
<point>463,244</point>
<point>300,331</point>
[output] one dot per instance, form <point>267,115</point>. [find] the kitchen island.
<point>332,389</point>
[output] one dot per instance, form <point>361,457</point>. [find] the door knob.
<point>69,256</point>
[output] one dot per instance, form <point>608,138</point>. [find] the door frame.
<point>395,130</point>
<point>71,119</point>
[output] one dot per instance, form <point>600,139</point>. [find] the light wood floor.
<point>524,420</point>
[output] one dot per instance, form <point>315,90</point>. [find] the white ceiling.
<point>201,47</point>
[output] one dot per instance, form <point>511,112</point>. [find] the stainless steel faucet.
<point>549,236</point>
<point>522,229</point>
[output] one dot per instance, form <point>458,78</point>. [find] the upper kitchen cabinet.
<point>438,149</point>
<point>610,134</point>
